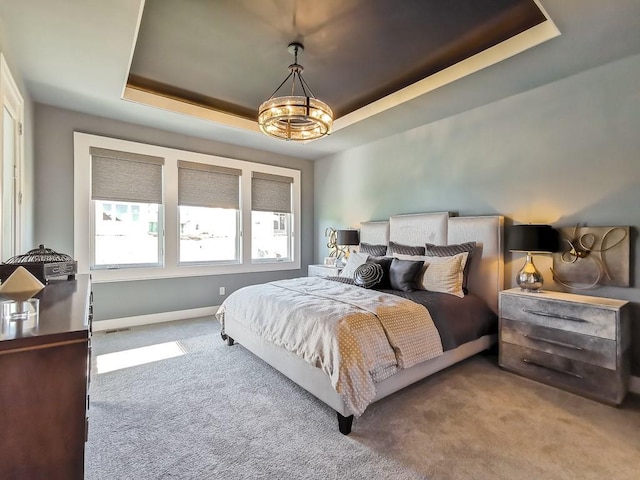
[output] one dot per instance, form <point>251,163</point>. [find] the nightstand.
<point>324,271</point>
<point>574,342</point>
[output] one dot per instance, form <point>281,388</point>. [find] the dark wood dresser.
<point>44,380</point>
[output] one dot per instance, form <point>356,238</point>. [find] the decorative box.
<point>43,263</point>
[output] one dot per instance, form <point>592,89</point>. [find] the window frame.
<point>11,99</point>
<point>83,226</point>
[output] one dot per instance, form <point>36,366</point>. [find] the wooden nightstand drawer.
<point>572,316</point>
<point>570,341</point>
<point>578,377</point>
<point>584,348</point>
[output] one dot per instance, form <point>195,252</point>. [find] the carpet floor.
<point>218,412</point>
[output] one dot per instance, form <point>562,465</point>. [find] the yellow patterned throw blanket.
<point>357,336</point>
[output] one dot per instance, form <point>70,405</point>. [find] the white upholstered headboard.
<point>486,273</point>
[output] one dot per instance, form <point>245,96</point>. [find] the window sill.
<point>155,273</point>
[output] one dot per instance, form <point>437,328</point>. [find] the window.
<point>123,238</point>
<point>123,183</point>
<point>270,217</point>
<point>11,163</point>
<point>208,209</point>
<point>188,214</point>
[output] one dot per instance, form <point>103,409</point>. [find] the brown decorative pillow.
<point>375,250</point>
<point>443,274</point>
<point>451,250</point>
<point>404,249</point>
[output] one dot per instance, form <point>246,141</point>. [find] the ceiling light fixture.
<point>295,117</point>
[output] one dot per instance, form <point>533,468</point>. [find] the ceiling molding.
<point>178,105</point>
<point>517,44</point>
<point>152,93</point>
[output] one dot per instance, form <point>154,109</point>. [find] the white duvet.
<point>357,336</point>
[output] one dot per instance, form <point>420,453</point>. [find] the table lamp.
<point>531,239</point>
<point>347,238</point>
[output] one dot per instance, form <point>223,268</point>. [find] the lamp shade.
<point>348,237</point>
<point>532,238</point>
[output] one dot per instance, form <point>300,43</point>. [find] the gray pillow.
<point>403,249</point>
<point>385,263</point>
<point>403,274</point>
<point>375,250</point>
<point>368,275</point>
<point>451,250</point>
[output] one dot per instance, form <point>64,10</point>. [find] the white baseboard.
<point>634,385</point>
<point>125,322</point>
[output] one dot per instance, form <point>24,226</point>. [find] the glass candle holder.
<point>19,317</point>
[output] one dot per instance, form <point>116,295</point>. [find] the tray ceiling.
<point>221,59</point>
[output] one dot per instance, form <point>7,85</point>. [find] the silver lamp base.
<point>529,278</point>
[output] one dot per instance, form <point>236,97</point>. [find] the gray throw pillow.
<point>385,263</point>
<point>375,250</point>
<point>403,249</point>
<point>368,275</point>
<point>403,274</point>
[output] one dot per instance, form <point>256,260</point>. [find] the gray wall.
<point>563,153</point>
<point>54,211</point>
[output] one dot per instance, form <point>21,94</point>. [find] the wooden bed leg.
<point>344,424</point>
<point>228,339</point>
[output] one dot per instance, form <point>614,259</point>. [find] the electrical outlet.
<point>222,290</point>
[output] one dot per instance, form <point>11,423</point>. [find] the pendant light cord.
<point>295,72</point>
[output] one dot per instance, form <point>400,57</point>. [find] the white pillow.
<point>354,261</point>
<point>440,274</point>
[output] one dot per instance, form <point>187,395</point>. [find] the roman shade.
<point>270,193</point>
<point>125,176</point>
<point>204,185</point>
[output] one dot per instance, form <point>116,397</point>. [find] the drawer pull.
<point>572,374</point>
<point>552,315</point>
<point>553,342</point>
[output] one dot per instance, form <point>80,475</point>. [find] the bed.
<point>249,315</point>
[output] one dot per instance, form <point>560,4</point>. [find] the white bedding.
<point>357,336</point>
